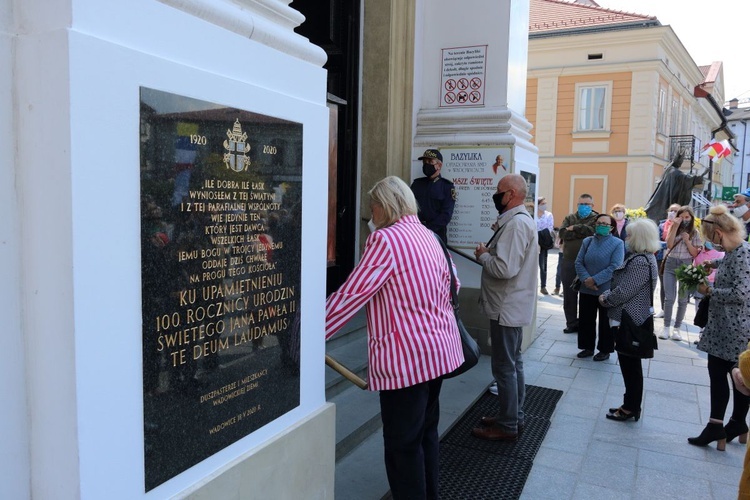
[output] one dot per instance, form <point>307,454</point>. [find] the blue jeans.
<point>670,292</point>
<point>507,368</point>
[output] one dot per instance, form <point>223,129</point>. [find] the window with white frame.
<point>593,106</point>
<point>675,118</point>
<point>661,125</point>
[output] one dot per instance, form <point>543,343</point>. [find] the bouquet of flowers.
<point>635,213</point>
<point>690,277</point>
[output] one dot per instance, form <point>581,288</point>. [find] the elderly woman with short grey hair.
<point>404,281</point>
<point>633,285</point>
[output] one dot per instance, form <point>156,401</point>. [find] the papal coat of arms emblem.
<point>237,149</point>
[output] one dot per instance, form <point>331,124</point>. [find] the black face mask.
<point>428,170</point>
<point>498,199</point>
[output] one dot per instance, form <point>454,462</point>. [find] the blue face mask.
<point>584,210</point>
<point>708,245</point>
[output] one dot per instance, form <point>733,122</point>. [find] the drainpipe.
<point>699,92</point>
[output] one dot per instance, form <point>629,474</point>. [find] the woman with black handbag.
<point>630,303</point>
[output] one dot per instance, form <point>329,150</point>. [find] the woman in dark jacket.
<point>633,285</point>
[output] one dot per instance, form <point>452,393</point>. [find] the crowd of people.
<point>608,271</point>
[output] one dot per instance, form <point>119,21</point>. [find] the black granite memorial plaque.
<point>220,267</point>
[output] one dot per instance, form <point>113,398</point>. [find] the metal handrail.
<point>465,256</point>
<point>346,372</point>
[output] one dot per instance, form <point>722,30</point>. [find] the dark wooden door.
<point>334,26</point>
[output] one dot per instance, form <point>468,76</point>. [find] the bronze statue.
<point>675,186</point>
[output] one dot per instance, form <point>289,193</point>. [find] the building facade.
<point>612,97</point>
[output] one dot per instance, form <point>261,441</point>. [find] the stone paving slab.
<point>587,456</point>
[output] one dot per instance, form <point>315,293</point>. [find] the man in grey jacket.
<point>509,276</point>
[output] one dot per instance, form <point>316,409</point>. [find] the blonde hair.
<point>643,236</point>
<point>719,217</point>
<point>396,198</point>
<point>616,206</point>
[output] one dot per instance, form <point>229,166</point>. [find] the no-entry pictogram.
<point>450,98</point>
<point>463,84</point>
<point>475,83</point>
<point>462,96</point>
<point>475,96</point>
<point>450,84</point>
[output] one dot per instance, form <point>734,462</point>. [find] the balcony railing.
<point>688,145</point>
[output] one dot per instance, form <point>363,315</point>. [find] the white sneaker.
<point>664,335</point>
<point>493,388</point>
<point>660,314</point>
<point>676,335</point>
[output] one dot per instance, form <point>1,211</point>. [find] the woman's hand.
<point>703,289</point>
<point>685,237</point>
<point>739,382</point>
<point>590,283</point>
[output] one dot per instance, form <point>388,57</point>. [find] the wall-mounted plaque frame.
<point>220,267</point>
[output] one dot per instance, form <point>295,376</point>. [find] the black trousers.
<point>570,296</point>
<point>588,307</point>
<point>410,434</point>
<point>558,278</point>
<point>543,267</point>
<point>632,376</point>
<point>718,369</point>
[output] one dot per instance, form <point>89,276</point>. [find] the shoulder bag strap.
<point>454,296</point>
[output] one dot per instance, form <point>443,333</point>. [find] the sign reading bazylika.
<point>475,172</point>
<point>220,265</point>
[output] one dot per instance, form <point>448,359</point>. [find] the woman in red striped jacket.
<point>404,280</point>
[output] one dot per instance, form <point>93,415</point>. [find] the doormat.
<point>480,469</point>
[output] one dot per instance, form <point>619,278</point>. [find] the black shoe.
<point>544,291</point>
<point>621,416</point>
<point>712,432</point>
<point>601,356</point>
<point>572,329</point>
<point>585,353</point>
<point>735,429</point>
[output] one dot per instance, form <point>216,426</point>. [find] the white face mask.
<point>371,226</point>
<point>740,211</point>
<point>671,215</point>
<point>542,208</point>
<point>619,215</point>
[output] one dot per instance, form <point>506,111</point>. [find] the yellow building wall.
<point>604,181</point>
<point>532,91</point>
<point>620,112</point>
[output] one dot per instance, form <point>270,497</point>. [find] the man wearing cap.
<point>435,195</point>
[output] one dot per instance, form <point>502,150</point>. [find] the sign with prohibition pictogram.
<point>463,76</point>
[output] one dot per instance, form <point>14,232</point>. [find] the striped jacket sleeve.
<point>366,279</point>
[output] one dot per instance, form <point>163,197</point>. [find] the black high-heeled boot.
<point>712,432</point>
<point>735,429</point>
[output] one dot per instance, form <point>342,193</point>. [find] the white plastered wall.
<point>78,70</point>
